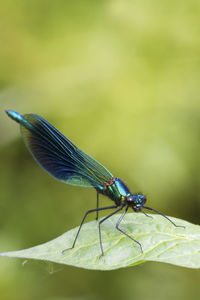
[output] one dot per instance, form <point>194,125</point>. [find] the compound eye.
<point>144,198</point>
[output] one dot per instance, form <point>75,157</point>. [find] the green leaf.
<point>161,241</point>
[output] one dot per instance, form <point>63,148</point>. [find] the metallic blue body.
<point>116,190</point>
<point>122,188</point>
<point>63,160</point>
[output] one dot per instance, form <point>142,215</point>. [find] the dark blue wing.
<point>59,156</point>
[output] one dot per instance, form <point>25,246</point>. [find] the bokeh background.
<point>121,79</point>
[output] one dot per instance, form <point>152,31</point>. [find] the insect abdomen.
<point>19,119</point>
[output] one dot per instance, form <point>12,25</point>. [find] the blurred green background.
<point>121,79</point>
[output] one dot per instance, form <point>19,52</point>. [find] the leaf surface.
<point>160,240</point>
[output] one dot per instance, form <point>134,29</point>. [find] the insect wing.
<point>60,157</point>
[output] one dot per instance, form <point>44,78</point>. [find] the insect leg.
<point>88,212</point>
<point>117,227</point>
<point>147,215</point>
<point>149,208</point>
<point>100,240</point>
<point>97,215</point>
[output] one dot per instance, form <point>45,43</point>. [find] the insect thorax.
<point>116,190</point>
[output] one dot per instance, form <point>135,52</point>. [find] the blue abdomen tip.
<point>14,115</point>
